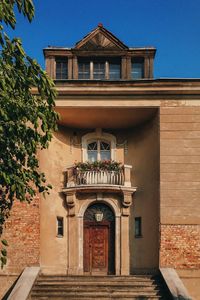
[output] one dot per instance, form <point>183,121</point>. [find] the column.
<point>125,251</point>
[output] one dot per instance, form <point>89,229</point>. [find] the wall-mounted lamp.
<point>98,216</point>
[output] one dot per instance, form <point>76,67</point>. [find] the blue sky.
<point>172,26</point>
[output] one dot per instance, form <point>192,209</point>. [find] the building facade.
<point>124,165</point>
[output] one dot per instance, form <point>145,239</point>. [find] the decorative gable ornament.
<point>100,38</point>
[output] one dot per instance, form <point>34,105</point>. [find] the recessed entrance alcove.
<point>99,240</point>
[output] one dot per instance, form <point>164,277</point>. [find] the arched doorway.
<point>99,239</point>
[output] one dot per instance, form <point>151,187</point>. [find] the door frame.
<point>120,256</point>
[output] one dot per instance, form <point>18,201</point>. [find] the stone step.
<point>61,287</point>
<point>96,286</point>
<point>95,278</point>
<point>97,298</point>
<point>91,277</point>
<point>94,289</point>
<point>93,294</point>
<point>96,282</point>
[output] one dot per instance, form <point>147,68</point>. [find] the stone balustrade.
<point>120,177</point>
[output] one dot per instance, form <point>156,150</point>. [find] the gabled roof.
<point>100,38</point>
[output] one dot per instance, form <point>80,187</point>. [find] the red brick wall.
<point>180,246</point>
<point>22,231</point>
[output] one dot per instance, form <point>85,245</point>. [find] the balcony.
<point>110,175</point>
<point>98,178</point>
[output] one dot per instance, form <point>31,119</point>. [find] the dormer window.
<point>84,70</point>
<point>114,70</point>
<point>99,68</point>
<point>137,68</point>
<point>61,68</point>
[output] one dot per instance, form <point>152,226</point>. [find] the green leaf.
<point>4,242</point>
<point>4,252</point>
<point>3,260</point>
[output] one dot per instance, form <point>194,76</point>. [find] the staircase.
<point>138,287</point>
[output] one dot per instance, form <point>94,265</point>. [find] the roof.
<point>101,38</point>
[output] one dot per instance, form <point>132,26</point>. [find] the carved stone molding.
<point>71,201</point>
<point>127,200</point>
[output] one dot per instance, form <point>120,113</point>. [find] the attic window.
<point>84,70</point>
<point>99,68</point>
<point>137,68</point>
<point>61,68</point>
<point>114,69</point>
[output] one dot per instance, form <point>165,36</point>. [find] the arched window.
<point>98,146</point>
<point>98,150</point>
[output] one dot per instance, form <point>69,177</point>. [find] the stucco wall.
<point>143,155</point>
<point>54,162</point>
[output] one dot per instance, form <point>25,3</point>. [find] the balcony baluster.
<point>99,177</point>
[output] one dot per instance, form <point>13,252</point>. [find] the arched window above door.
<point>98,146</point>
<point>98,150</point>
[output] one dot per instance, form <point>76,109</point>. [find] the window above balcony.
<point>98,150</point>
<point>98,146</point>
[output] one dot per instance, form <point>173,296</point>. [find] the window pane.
<point>84,70</point>
<point>137,69</point>
<point>92,146</point>
<point>105,151</point>
<point>60,228</point>
<point>104,146</point>
<point>114,71</point>
<point>95,152</point>
<point>61,69</point>
<point>92,151</point>
<point>105,155</point>
<point>99,70</point>
<point>138,227</point>
<point>92,156</point>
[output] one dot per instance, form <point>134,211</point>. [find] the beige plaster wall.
<point>63,151</point>
<point>143,155</point>
<point>54,162</point>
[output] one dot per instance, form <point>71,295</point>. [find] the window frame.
<point>63,61</point>
<point>98,135</point>
<point>106,61</point>
<point>137,61</point>
<point>99,150</point>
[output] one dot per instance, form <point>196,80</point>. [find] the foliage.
<point>99,165</point>
<point>27,118</point>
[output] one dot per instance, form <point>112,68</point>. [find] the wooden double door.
<point>99,247</point>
